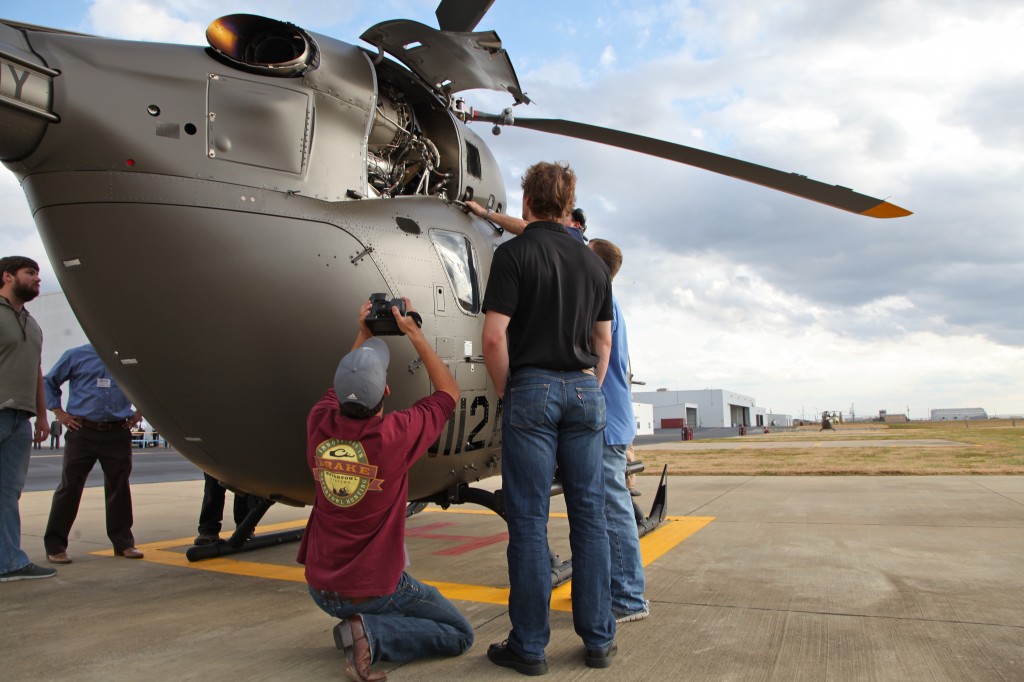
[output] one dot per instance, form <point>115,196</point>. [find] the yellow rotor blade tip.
<point>887,210</point>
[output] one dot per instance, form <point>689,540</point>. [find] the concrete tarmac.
<point>752,578</point>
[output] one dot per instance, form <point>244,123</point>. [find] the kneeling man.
<point>353,547</point>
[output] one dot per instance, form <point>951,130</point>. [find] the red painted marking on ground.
<point>421,531</point>
<point>473,542</point>
<point>474,545</point>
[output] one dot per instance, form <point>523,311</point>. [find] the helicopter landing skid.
<point>659,508</point>
<point>243,540</point>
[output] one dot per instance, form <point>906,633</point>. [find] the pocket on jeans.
<point>526,404</point>
<point>594,414</point>
<point>406,585</point>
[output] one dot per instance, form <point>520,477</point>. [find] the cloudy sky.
<point>729,285</point>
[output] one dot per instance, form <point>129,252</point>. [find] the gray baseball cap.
<point>363,374</point>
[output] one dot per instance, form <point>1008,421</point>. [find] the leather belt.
<point>324,594</point>
<point>103,426</point>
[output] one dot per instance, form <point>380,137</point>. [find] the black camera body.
<point>380,320</point>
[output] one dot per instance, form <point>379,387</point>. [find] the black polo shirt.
<point>554,289</point>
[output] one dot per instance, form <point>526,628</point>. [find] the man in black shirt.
<point>546,342</point>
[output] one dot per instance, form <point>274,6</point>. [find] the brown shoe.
<point>130,553</point>
<point>350,638</point>
<point>59,558</point>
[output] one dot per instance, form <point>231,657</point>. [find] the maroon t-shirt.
<point>354,540</point>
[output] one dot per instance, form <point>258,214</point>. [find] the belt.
<point>103,426</point>
<point>324,594</point>
<point>590,371</point>
<point>21,413</point>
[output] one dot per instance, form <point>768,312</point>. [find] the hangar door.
<point>739,415</point>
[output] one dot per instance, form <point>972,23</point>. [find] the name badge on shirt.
<point>102,383</point>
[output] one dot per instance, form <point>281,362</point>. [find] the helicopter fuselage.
<point>215,230</point>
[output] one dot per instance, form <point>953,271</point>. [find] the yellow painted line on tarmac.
<point>665,537</point>
<point>479,593</point>
<point>652,547</point>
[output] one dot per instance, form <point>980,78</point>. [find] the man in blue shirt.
<point>99,420</point>
<point>628,603</point>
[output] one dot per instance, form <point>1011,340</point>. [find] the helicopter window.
<point>459,261</point>
<point>473,165</point>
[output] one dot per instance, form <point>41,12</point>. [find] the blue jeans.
<point>414,621</point>
<point>623,539</point>
<point>15,450</point>
<point>551,418</point>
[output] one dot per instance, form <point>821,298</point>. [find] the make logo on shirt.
<point>344,473</point>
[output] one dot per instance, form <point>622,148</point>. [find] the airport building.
<point>958,414</point>
<point>644,415</point>
<point>707,408</point>
<point>61,330</point>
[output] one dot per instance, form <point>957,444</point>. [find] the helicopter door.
<point>451,61</point>
<point>241,113</point>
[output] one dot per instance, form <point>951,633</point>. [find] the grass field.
<point>993,446</point>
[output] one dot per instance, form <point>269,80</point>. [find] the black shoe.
<point>27,572</point>
<point>502,654</point>
<point>601,658</point>
<point>206,539</point>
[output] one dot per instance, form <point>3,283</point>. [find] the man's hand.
<point>133,422</point>
<point>406,324</point>
<point>42,429</point>
<point>502,220</point>
<point>69,422</point>
<point>476,209</point>
<point>364,331</point>
<point>364,312</point>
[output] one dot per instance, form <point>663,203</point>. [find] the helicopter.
<point>274,179</point>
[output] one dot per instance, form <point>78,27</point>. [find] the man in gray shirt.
<point>21,398</point>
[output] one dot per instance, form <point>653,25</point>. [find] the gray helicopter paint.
<point>111,122</point>
<point>243,276</point>
<point>241,112</point>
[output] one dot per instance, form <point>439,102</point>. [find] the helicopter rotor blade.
<point>836,196</point>
<point>461,15</point>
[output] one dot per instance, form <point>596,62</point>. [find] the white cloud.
<point>608,57</point>
<point>704,327</point>
<point>141,20</point>
<point>18,236</point>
